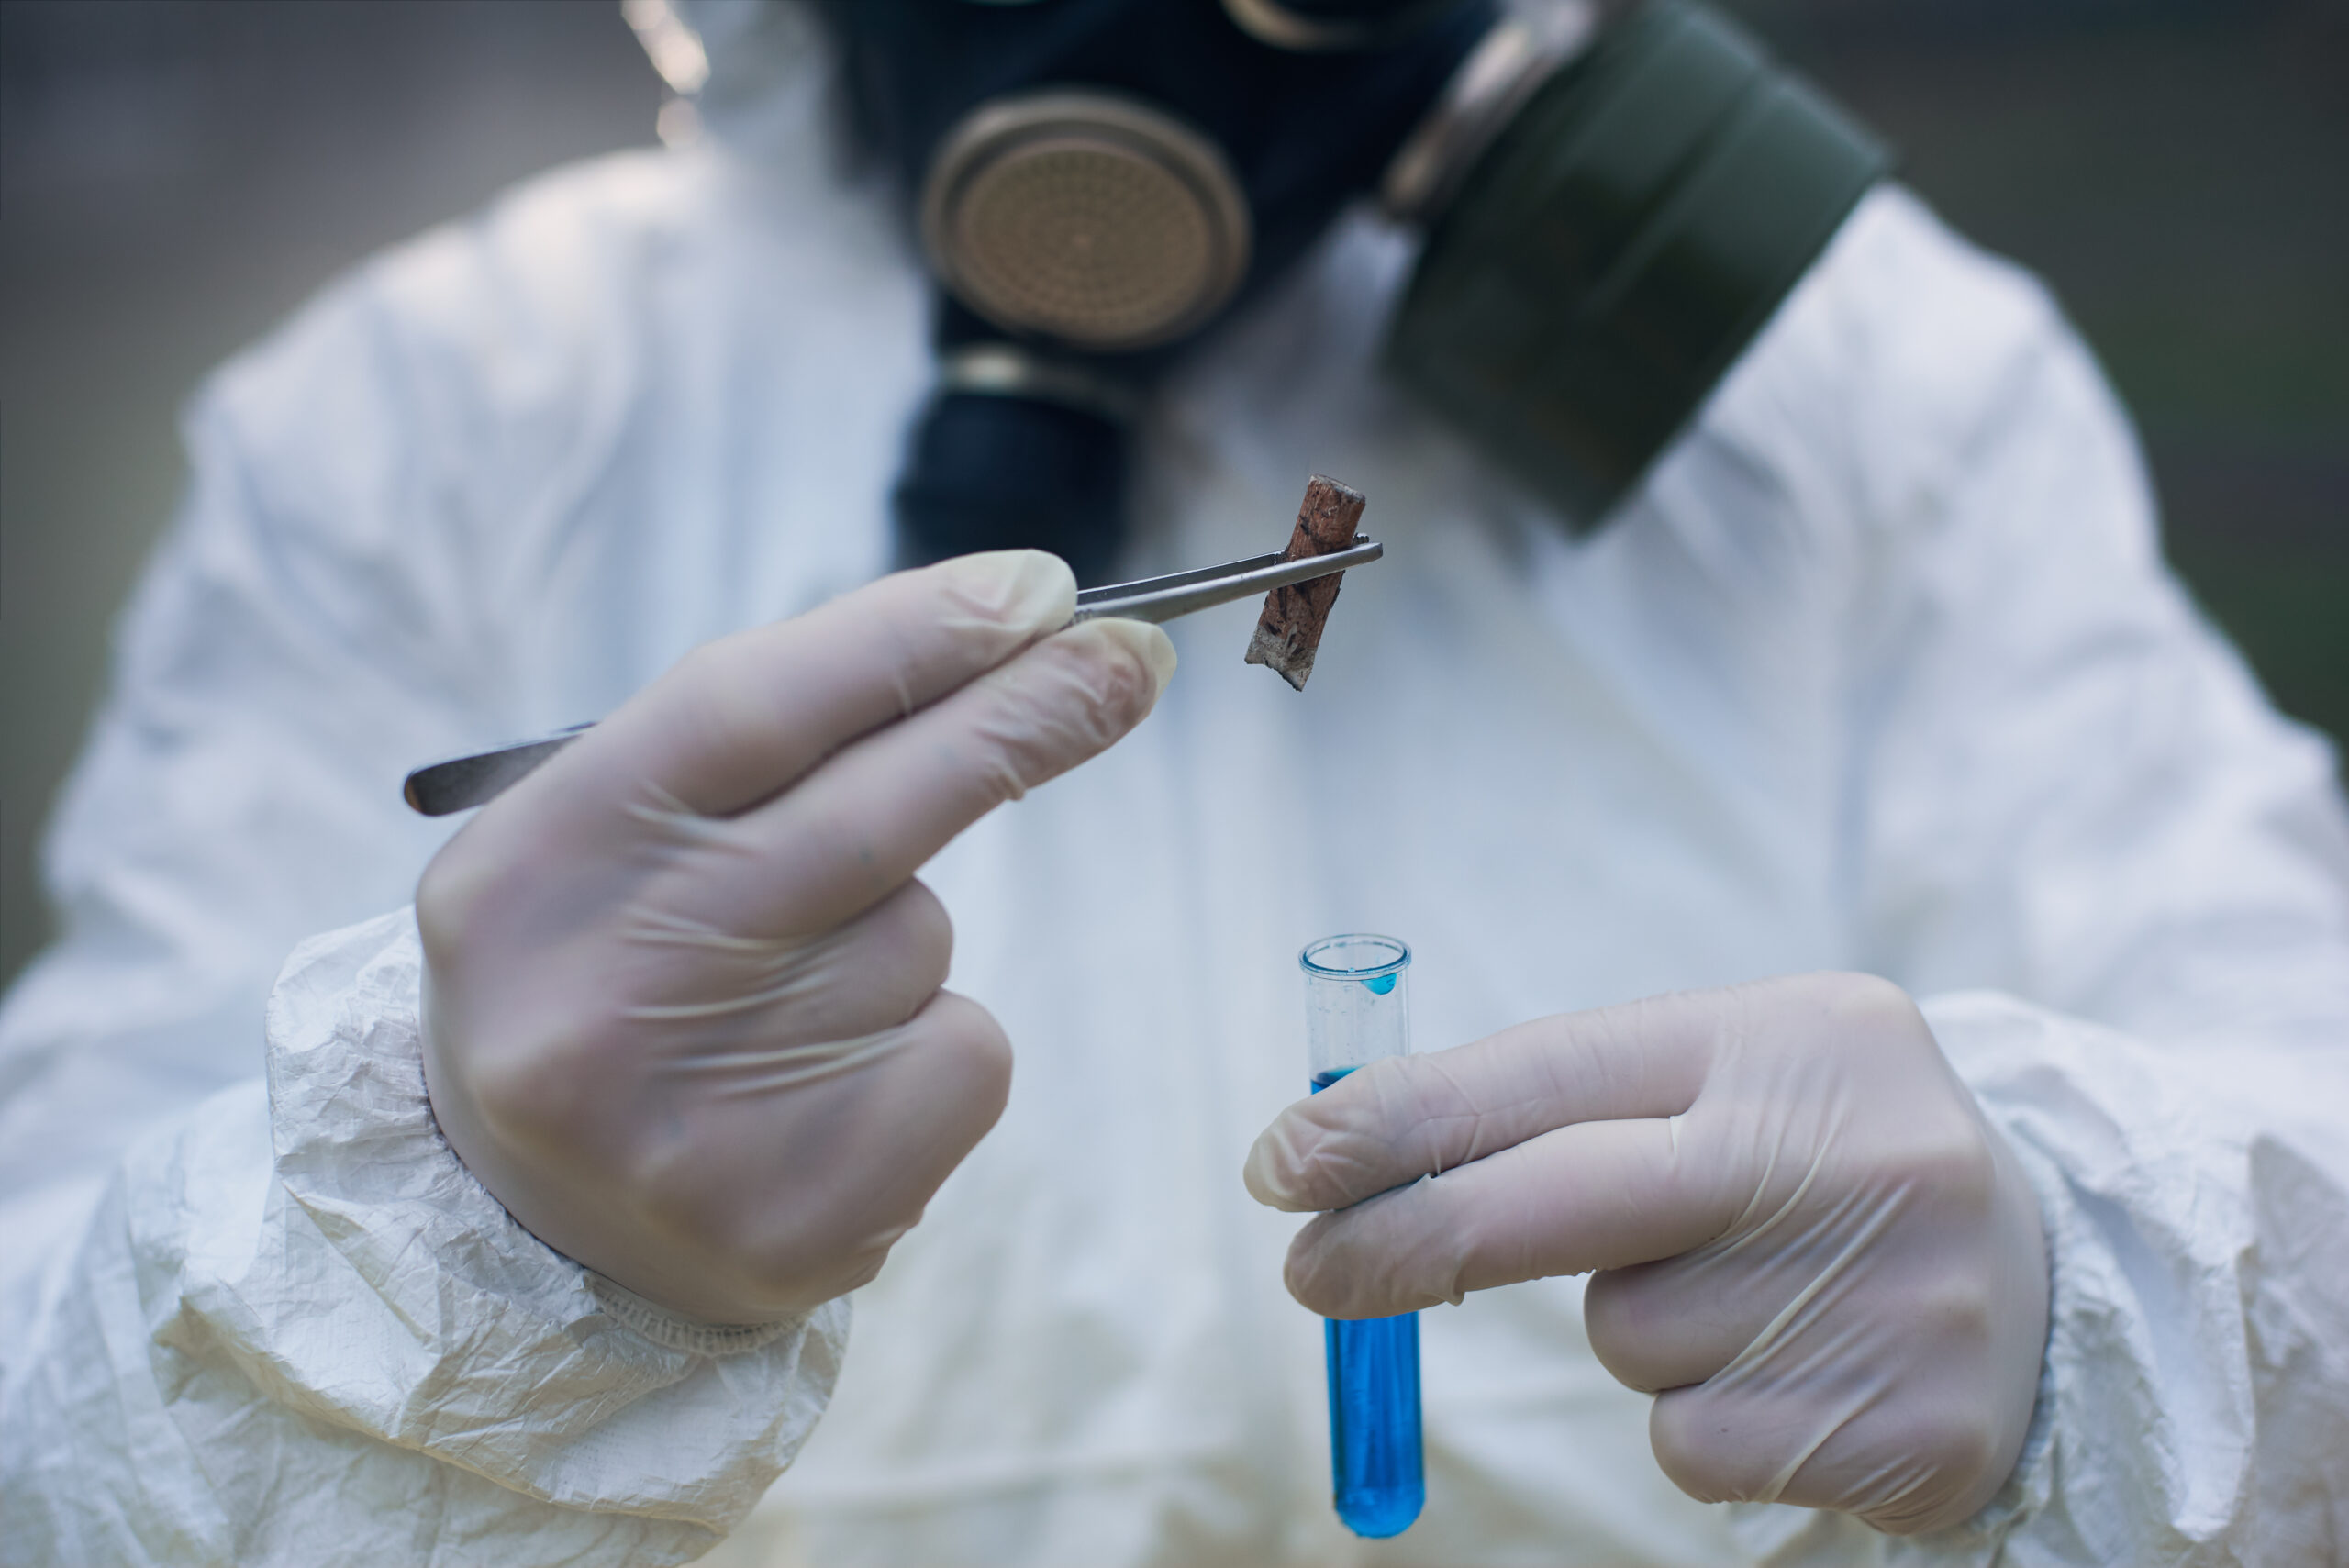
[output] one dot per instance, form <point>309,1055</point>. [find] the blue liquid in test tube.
<point>1357,1010</point>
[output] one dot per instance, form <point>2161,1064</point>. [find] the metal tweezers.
<point>441,788</point>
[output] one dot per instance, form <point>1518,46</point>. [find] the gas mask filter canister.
<point>1609,254</point>
<point>1089,220</point>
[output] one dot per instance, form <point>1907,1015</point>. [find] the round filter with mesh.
<point>1086,217</point>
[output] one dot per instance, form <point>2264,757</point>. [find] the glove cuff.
<point>674,1331</point>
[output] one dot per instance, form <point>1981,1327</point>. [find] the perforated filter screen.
<point>1085,239</point>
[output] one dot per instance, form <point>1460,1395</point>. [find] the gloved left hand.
<point>1807,1238</point>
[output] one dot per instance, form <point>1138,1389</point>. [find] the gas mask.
<point>1613,208</point>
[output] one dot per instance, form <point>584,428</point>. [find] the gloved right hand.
<point>683,1007</point>
<point>1809,1243</point>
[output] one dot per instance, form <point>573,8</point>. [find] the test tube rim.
<point>1395,965</point>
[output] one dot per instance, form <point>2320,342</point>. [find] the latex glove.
<point>1807,1235</point>
<point>682,1004</point>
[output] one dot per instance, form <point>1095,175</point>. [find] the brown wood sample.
<point>1290,627</point>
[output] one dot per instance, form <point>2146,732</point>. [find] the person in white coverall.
<point>511,1218</point>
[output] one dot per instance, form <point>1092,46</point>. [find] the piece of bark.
<point>1290,627</point>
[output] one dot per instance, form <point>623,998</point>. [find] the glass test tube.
<point>1357,1010</point>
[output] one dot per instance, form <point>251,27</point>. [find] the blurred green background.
<point>2178,170</point>
<point>175,174</point>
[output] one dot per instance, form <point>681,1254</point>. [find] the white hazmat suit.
<point>1880,670</point>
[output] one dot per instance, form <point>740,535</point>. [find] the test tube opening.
<point>1355,955</point>
<point>1357,1003</point>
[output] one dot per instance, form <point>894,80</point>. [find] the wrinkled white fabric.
<point>321,1358</point>
<point>1879,671</point>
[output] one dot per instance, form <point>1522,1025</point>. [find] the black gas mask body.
<point>1613,208</point>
